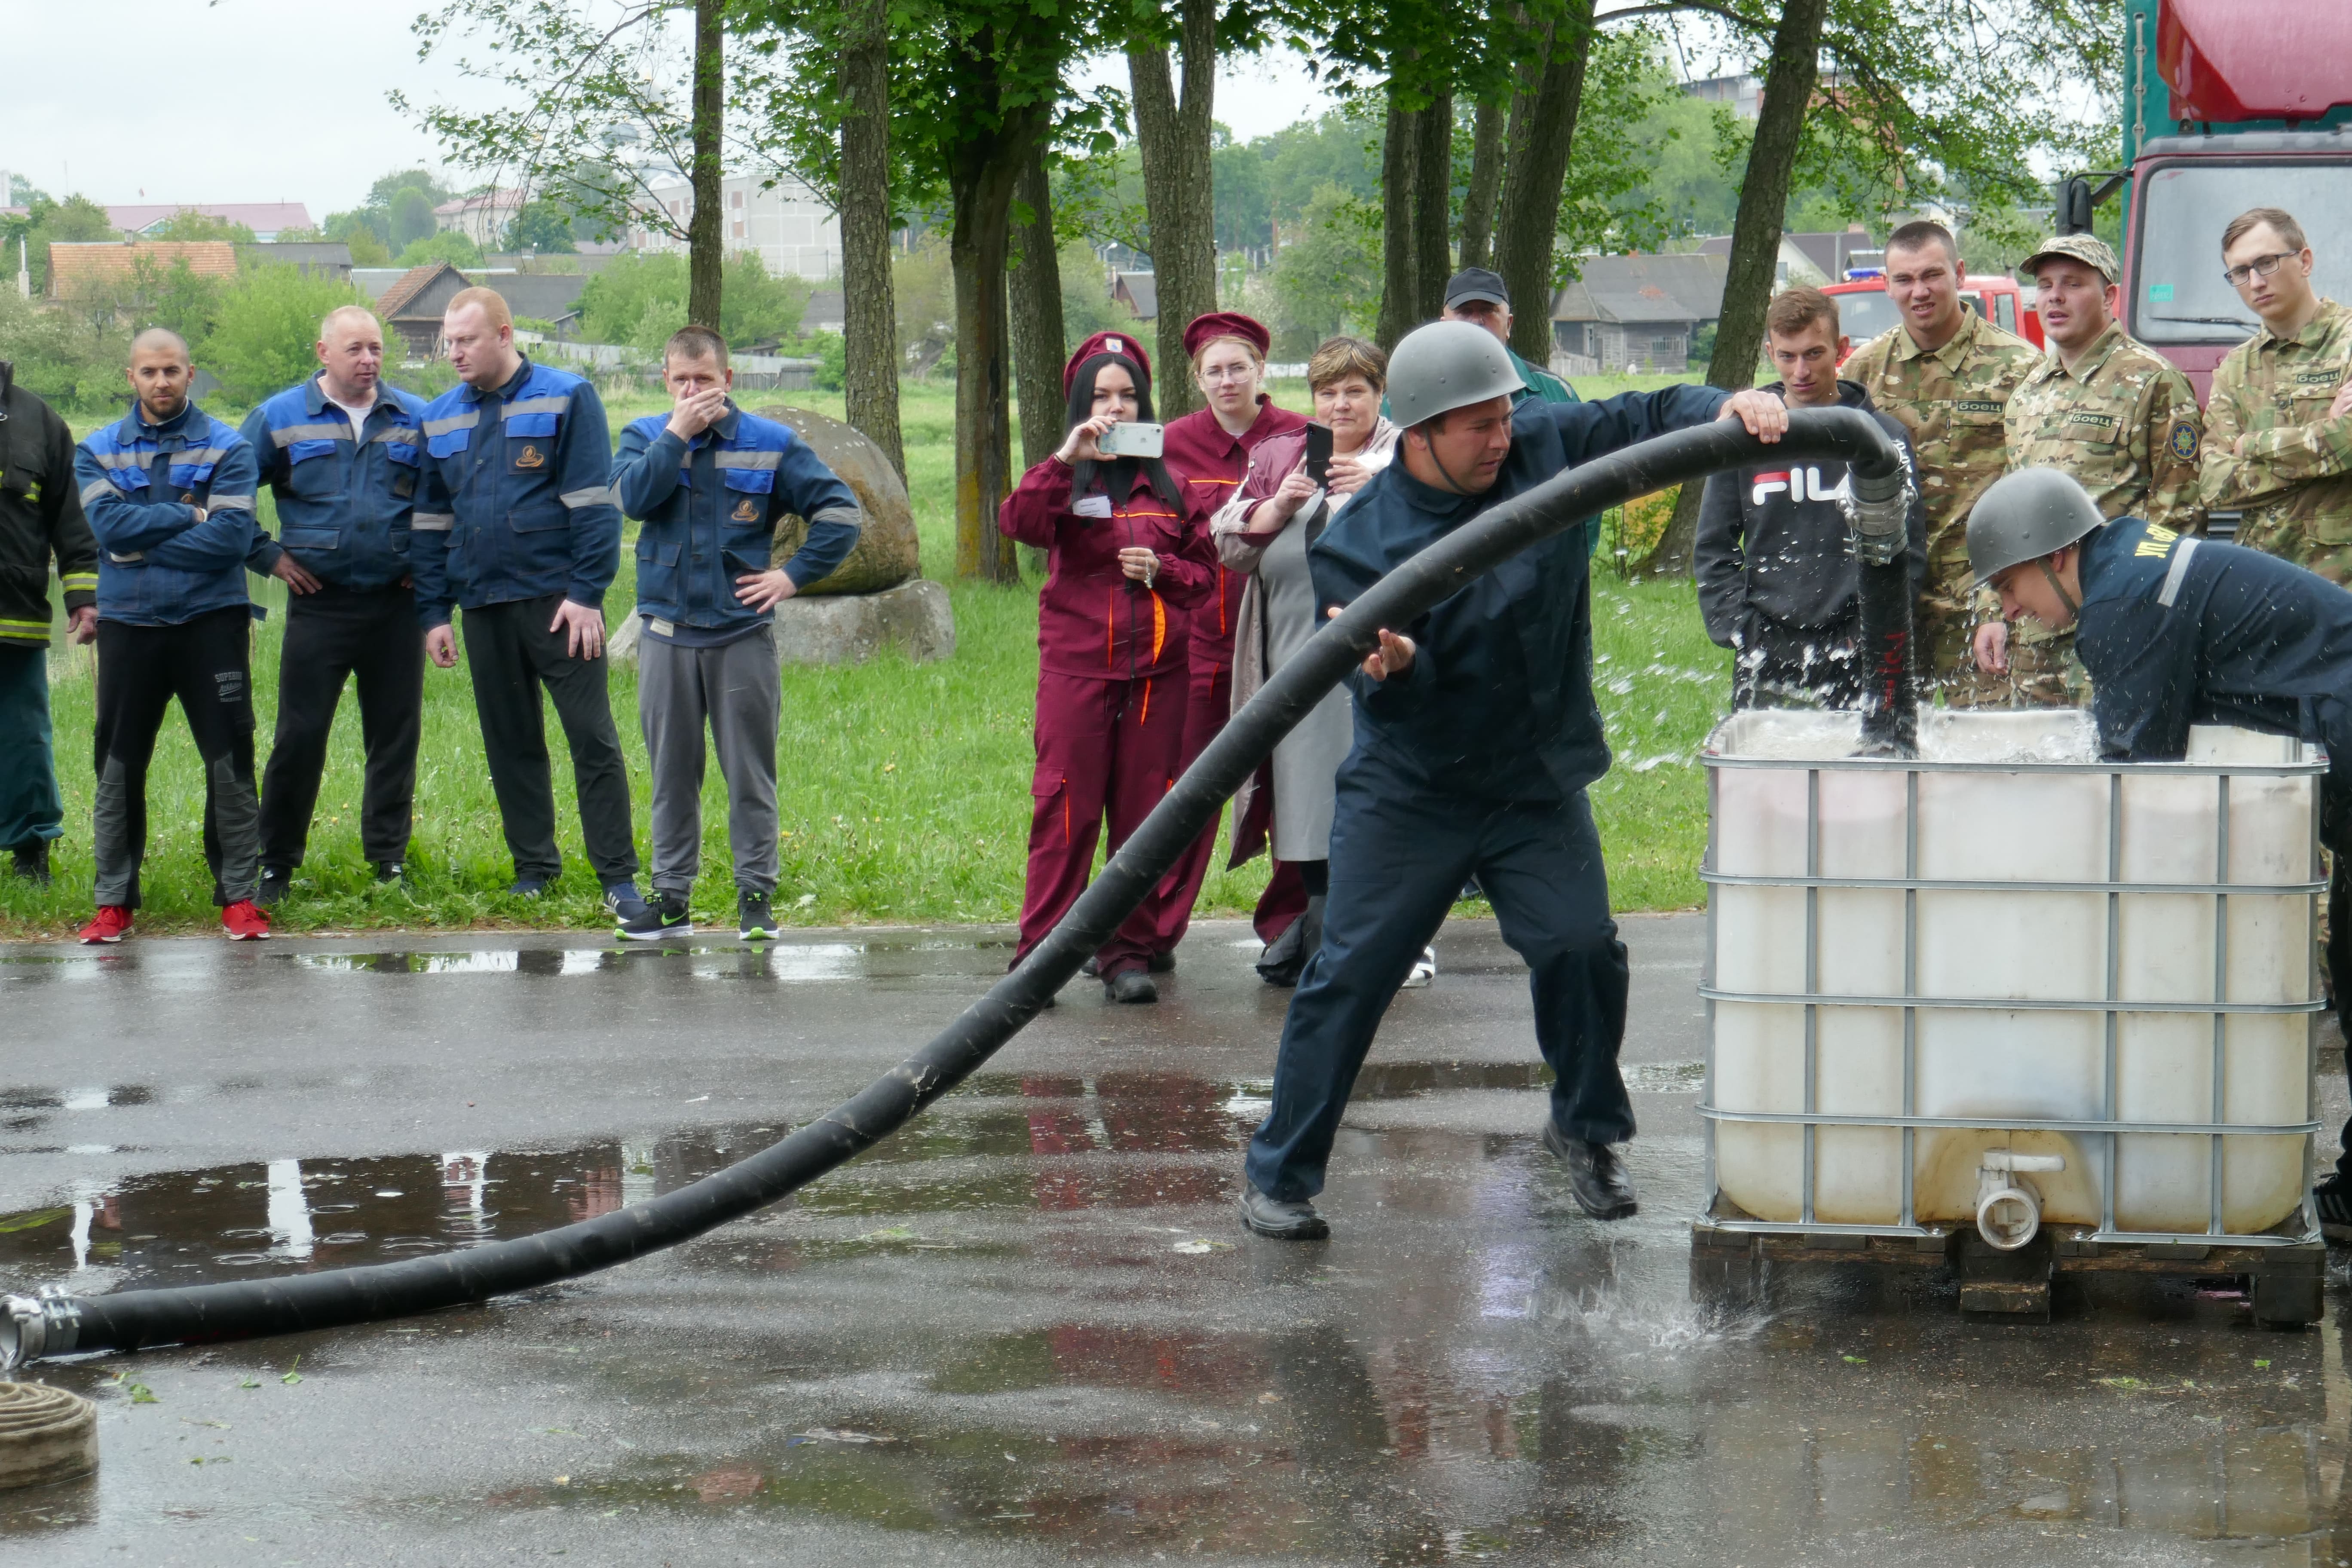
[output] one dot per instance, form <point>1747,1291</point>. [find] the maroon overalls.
<point>1111,661</point>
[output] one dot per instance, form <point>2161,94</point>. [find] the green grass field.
<point>904,787</point>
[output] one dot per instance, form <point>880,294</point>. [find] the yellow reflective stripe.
<point>81,579</point>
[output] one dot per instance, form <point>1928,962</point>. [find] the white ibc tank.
<point>1868,1002</point>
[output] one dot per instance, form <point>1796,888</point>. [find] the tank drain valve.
<point>2009,1206</point>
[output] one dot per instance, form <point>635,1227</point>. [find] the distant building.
<point>1637,312</point>
<point>81,269</point>
<point>787,226</point>
<point>481,217</point>
<point>827,311</point>
<point>1812,259</point>
<point>550,296</point>
<point>311,258</point>
<point>267,219</point>
<point>413,306</point>
<point>1139,292</point>
<point>1744,95</point>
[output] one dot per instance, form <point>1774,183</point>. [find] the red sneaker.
<point>113,924</point>
<point>244,922</point>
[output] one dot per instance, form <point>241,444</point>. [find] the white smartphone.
<point>1132,439</point>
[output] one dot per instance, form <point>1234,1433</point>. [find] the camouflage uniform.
<point>2125,424</point>
<point>1952,401</point>
<point>2294,482</point>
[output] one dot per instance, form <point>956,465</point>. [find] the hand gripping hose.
<point>54,1324</point>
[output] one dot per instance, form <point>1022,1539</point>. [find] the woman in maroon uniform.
<point>1208,452</point>
<point>1126,565</point>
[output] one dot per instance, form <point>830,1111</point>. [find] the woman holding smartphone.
<point>1295,484</point>
<point>1125,566</point>
<point>1208,452</point>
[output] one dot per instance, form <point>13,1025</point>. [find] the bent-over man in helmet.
<point>2175,631</point>
<point>1475,737</point>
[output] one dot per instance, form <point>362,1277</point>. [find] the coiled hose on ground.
<point>52,1324</point>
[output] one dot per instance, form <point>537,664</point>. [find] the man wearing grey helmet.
<point>1476,735</point>
<point>2175,631</point>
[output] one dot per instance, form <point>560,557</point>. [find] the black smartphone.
<point>1318,452</point>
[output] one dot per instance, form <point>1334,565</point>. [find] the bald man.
<point>342,452</point>
<point>169,493</point>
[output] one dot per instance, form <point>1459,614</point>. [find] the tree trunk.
<point>704,248</point>
<point>1432,208</point>
<point>981,174</point>
<point>1037,350</point>
<point>871,312</point>
<point>1543,129</point>
<point>1788,83</point>
<point>1398,277</point>
<point>1486,184</point>
<point>1172,138</point>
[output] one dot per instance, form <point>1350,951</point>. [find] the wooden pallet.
<point>2285,1281</point>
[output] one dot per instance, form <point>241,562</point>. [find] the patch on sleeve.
<point>2183,440</point>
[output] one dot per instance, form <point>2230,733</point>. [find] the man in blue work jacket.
<point>2175,631</point>
<point>1476,735</point>
<point>711,482</point>
<point>169,493</point>
<point>342,451</point>
<point>516,526</point>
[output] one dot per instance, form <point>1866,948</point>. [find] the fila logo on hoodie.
<point>1802,484</point>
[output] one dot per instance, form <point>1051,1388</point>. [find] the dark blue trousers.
<point>30,809</point>
<point>1400,853</point>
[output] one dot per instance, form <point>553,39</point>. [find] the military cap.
<point>2087,248</point>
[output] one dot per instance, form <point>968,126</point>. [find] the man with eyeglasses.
<point>2278,441</point>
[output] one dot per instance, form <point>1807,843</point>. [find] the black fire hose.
<point>54,1324</point>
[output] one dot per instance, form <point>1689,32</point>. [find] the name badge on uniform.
<point>1093,506</point>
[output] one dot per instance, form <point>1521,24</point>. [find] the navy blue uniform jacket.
<point>2177,631</point>
<point>1501,680</point>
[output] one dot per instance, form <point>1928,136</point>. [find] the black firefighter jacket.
<point>40,517</point>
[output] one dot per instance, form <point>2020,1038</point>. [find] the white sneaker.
<point>1424,971</point>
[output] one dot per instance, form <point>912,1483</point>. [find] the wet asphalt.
<point>1028,1328</point>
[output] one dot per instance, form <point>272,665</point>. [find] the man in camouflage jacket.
<point>2117,417</point>
<point>2278,422</point>
<point>1946,374</point>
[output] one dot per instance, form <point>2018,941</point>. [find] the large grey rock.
<point>887,553</point>
<point>845,629</point>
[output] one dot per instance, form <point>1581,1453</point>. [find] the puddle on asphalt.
<point>1002,1141</point>
<point>803,960</point>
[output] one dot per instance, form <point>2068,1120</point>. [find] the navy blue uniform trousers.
<point>1400,853</point>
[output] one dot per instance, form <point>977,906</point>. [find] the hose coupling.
<point>1876,515</point>
<point>33,1327</point>
<point>2009,1206</point>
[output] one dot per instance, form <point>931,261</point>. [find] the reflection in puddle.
<point>790,960</point>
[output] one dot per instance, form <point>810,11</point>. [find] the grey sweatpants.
<point>737,689</point>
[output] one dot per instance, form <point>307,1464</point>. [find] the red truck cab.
<point>1865,310</point>
<point>2229,104</point>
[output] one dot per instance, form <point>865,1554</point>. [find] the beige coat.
<point>1277,458</point>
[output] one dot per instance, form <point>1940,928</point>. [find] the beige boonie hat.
<point>2087,248</point>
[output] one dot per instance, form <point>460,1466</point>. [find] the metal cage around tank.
<point>2115,889</point>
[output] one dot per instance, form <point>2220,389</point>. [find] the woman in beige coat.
<point>1265,531</point>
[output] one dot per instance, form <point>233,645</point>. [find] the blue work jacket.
<point>2178,631</point>
<point>517,499</point>
<point>141,487</point>
<point>710,508</point>
<point>343,496</point>
<point>1498,703</point>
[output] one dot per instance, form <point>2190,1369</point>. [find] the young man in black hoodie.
<point>1776,581</point>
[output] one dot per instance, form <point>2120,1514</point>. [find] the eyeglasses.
<point>2260,267</point>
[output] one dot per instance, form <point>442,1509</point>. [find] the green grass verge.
<point>903,787</point>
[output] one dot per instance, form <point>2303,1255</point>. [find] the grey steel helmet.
<point>2024,516</point>
<point>1443,367</point>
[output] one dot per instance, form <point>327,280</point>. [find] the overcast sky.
<point>284,100</point>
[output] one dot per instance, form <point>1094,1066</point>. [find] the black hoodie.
<point>1772,540</point>
<point>40,517</point>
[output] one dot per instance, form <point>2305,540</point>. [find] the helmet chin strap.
<point>1429,445</point>
<point>2074,610</point>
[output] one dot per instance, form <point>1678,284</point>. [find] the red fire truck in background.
<point>1864,309</point>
